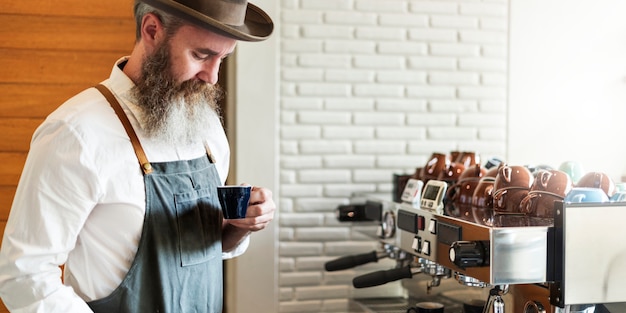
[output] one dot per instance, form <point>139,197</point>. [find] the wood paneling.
<point>11,164</point>
<point>6,198</point>
<point>20,129</point>
<point>46,66</point>
<point>66,33</point>
<point>110,8</point>
<point>34,100</point>
<point>49,51</point>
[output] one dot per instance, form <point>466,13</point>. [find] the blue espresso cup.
<point>619,196</point>
<point>586,194</point>
<point>234,200</point>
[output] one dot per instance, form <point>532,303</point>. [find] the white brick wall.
<point>370,88</point>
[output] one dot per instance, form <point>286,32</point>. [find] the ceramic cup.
<point>451,173</point>
<point>586,194</point>
<point>619,196</point>
<point>461,193</point>
<point>512,184</point>
<point>458,197</point>
<point>435,165</point>
<point>234,200</point>
<point>573,169</point>
<point>598,180</point>
<point>474,306</point>
<point>482,201</point>
<point>427,307</point>
<point>468,158</point>
<point>548,186</point>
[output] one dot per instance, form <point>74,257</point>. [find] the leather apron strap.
<point>146,167</point>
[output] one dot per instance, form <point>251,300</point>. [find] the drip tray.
<point>400,305</point>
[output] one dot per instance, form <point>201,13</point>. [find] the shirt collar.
<point>121,85</point>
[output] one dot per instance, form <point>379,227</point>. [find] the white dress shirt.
<point>81,201</point>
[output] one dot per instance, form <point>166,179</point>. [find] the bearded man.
<point>119,186</point>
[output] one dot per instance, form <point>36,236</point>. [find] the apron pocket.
<point>199,227</point>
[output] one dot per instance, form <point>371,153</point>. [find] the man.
<point>119,186</point>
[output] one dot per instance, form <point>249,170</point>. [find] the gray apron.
<point>178,265</point>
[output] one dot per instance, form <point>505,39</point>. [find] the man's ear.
<point>151,29</point>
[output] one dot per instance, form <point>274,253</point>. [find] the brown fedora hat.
<point>233,18</point>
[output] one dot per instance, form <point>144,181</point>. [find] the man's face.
<point>176,90</point>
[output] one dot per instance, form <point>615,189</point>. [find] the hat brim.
<point>257,25</point>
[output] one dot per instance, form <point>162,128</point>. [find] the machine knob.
<point>470,253</point>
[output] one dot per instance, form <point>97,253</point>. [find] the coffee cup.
<point>234,200</point>
<point>451,173</point>
<point>619,196</point>
<point>548,186</point>
<point>460,194</point>
<point>512,184</point>
<point>435,165</point>
<point>426,307</point>
<point>467,158</point>
<point>482,201</point>
<point>621,186</point>
<point>586,194</point>
<point>474,306</point>
<point>573,169</point>
<point>598,180</point>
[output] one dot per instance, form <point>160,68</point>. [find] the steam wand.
<point>495,299</point>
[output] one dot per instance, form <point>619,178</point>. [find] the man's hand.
<point>260,211</point>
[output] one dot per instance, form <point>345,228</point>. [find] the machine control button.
<point>426,247</point>
<point>469,253</point>
<point>421,222</point>
<point>417,244</point>
<point>432,227</point>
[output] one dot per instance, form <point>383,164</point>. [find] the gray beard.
<point>184,123</point>
<point>173,113</point>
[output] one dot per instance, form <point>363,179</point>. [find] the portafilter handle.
<point>351,261</point>
<point>382,277</point>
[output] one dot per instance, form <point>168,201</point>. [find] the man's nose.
<point>210,71</point>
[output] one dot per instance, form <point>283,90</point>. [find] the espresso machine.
<point>573,261</point>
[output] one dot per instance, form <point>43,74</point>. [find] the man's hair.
<point>170,22</point>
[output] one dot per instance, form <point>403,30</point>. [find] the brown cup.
<point>435,165</point>
<point>459,195</point>
<point>512,184</point>
<point>462,192</point>
<point>454,155</point>
<point>548,186</point>
<point>451,173</point>
<point>482,201</point>
<point>598,180</point>
<point>418,174</point>
<point>467,158</point>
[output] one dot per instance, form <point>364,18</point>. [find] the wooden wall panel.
<point>6,196</point>
<point>11,164</point>
<point>110,8</point>
<point>32,100</point>
<point>65,33</point>
<point>49,51</point>
<point>21,129</point>
<point>48,66</point>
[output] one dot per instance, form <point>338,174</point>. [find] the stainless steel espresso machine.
<point>574,261</point>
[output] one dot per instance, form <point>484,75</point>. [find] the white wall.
<point>251,283</point>
<point>567,92</point>
<point>370,88</point>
